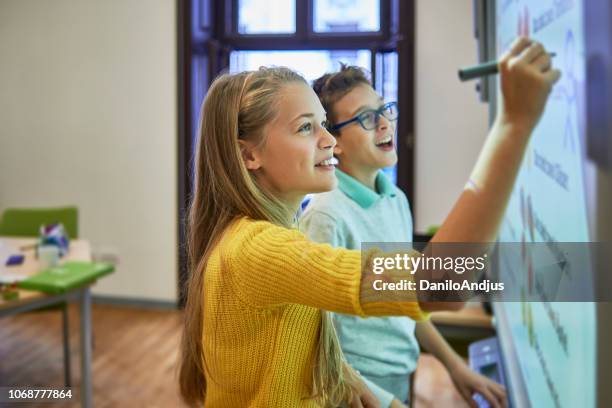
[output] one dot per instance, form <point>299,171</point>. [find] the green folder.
<point>69,275</point>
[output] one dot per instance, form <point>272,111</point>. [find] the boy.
<point>367,207</point>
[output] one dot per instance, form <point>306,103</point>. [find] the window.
<point>386,85</point>
<point>338,16</point>
<point>310,64</point>
<point>266,16</point>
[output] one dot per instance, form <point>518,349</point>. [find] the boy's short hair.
<point>331,87</point>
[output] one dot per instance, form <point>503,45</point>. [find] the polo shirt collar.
<point>361,194</point>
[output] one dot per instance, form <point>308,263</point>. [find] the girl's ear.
<point>249,156</point>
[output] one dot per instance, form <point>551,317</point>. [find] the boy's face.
<point>358,149</point>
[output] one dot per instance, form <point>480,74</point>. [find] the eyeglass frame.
<point>357,118</point>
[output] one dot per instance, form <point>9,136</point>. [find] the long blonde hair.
<point>237,107</point>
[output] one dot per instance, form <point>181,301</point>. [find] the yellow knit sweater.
<point>264,290</point>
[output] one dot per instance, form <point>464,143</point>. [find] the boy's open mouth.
<point>385,143</point>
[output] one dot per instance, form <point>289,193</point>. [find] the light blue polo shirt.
<point>383,349</point>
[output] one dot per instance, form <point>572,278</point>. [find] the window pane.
<point>266,16</point>
<point>346,15</point>
<point>386,86</point>
<point>311,64</point>
<point>387,75</point>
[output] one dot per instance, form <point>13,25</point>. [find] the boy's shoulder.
<point>401,196</point>
<point>333,204</point>
<point>337,205</point>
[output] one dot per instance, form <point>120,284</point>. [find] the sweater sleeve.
<point>271,266</point>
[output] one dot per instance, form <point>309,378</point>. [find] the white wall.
<point>451,123</point>
<point>88,117</point>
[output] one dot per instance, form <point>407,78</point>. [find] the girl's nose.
<point>327,141</point>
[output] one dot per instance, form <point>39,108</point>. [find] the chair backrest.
<point>26,222</point>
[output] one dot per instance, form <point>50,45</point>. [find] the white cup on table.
<point>48,256</point>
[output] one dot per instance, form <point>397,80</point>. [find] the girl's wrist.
<point>513,127</point>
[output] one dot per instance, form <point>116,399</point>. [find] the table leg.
<point>65,324</point>
<point>86,385</point>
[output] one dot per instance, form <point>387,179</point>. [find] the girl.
<point>255,333</point>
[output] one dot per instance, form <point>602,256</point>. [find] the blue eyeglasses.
<point>369,119</point>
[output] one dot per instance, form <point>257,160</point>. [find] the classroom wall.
<point>88,117</point>
<point>451,123</point>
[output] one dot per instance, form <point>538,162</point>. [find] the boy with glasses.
<point>367,207</point>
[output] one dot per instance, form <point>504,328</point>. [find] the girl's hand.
<point>527,77</point>
<point>468,383</point>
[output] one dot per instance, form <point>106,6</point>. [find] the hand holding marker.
<point>481,70</point>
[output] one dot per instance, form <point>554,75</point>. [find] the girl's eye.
<point>325,124</point>
<point>306,127</point>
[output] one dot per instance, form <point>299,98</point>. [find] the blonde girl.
<point>256,334</point>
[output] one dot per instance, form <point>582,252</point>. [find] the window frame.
<point>304,37</point>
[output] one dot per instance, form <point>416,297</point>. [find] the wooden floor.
<point>134,358</point>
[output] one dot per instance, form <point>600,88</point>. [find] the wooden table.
<point>32,300</point>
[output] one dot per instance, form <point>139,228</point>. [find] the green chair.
<point>26,222</point>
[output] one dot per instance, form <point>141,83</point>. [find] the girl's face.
<point>296,157</point>
<point>359,149</point>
